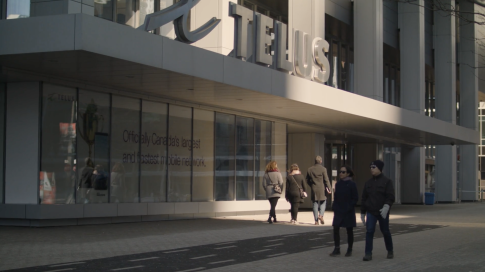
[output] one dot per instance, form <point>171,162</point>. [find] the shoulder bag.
<point>276,186</point>
<point>303,194</point>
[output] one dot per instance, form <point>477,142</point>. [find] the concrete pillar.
<point>445,174</point>
<point>364,154</point>
<point>22,143</point>
<point>56,7</point>
<point>445,75</point>
<point>412,177</point>
<point>411,21</point>
<point>445,64</point>
<point>302,150</point>
<point>368,55</point>
<point>468,100</point>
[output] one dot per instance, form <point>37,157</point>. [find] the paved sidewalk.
<point>459,246</point>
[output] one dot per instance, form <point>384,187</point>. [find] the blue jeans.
<point>371,228</point>
<point>318,206</point>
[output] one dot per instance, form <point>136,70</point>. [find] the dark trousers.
<point>273,201</point>
<point>371,228</point>
<point>294,210</point>
<point>350,237</point>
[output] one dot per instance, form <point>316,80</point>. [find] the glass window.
<point>125,12</point>
<point>225,157</point>
<point>153,180</point>
<point>334,76</point>
<point>392,89</point>
<point>280,147</point>
<point>2,138</point>
<point>244,158</point>
<point>58,145</point>
<point>203,154</point>
<point>350,77</point>
<point>104,9</point>
<point>18,9</point>
<point>93,147</point>
<point>344,67</point>
<point>386,84</point>
<point>262,135</point>
<point>180,154</point>
<point>125,139</point>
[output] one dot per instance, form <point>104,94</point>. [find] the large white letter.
<point>303,55</point>
<point>263,39</point>
<point>280,48</point>
<point>320,47</point>
<point>242,18</point>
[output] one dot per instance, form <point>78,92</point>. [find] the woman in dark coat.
<point>294,181</point>
<point>345,199</point>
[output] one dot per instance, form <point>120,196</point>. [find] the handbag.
<point>303,194</point>
<point>276,186</point>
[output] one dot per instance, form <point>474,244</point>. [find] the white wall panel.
<point>22,143</point>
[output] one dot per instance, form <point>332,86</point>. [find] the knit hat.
<point>379,164</point>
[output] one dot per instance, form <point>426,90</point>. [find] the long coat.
<point>292,190</point>
<point>316,176</point>
<point>345,199</point>
<point>269,179</point>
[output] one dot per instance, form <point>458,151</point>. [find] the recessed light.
<point>190,89</point>
<point>240,99</point>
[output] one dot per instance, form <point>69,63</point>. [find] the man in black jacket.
<point>377,199</point>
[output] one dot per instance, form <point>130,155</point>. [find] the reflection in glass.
<point>225,156</point>
<point>57,176</point>
<point>144,7</point>
<point>386,84</point>
<point>153,178</point>
<point>125,139</point>
<point>244,158</point>
<point>350,77</point>
<point>335,65</point>
<point>343,64</point>
<point>103,9</point>
<point>262,135</point>
<point>18,9</point>
<point>179,153</point>
<point>203,154</point>
<point>125,12</point>
<point>93,147</point>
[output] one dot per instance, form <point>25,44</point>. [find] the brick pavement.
<point>458,247</point>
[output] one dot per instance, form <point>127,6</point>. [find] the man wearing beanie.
<point>377,199</point>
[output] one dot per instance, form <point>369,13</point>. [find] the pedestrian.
<point>344,200</point>
<point>85,181</point>
<point>296,190</point>
<point>377,199</point>
<point>316,176</point>
<point>272,184</point>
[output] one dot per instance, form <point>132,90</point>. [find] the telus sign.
<point>309,60</point>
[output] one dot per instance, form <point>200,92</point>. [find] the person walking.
<point>316,176</point>
<point>377,199</point>
<point>295,190</point>
<point>272,184</point>
<point>344,200</point>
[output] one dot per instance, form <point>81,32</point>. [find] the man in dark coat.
<point>316,176</point>
<point>377,199</point>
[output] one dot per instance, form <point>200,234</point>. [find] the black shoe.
<point>349,253</point>
<point>274,219</point>
<point>390,255</point>
<point>335,252</point>
<point>367,258</point>
<point>269,220</point>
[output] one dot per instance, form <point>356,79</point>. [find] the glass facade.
<point>128,12</point>
<point>131,150</point>
<point>58,158</point>
<point>18,9</point>
<point>2,139</point>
